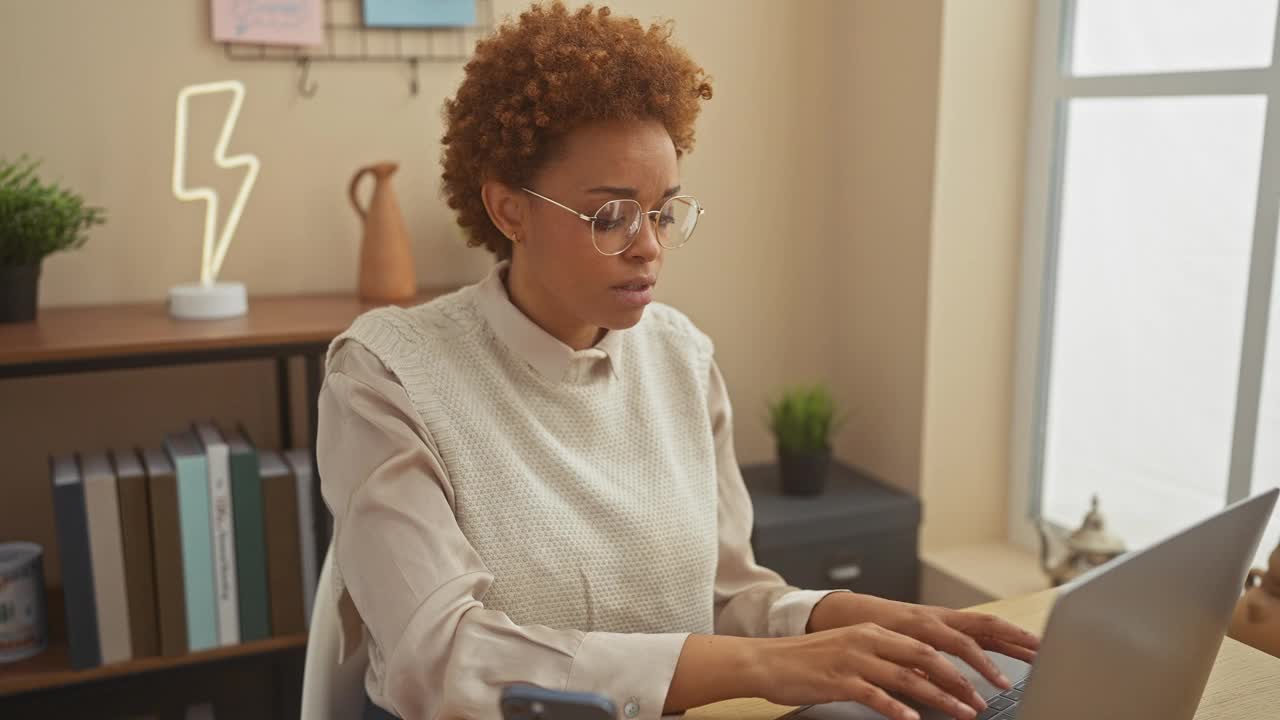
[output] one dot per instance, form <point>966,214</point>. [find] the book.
<point>192,471</point>
<point>102,508</point>
<point>72,527</point>
<point>166,535</point>
<point>284,556</point>
<point>222,524</point>
<point>135,534</point>
<point>300,462</point>
<point>251,544</point>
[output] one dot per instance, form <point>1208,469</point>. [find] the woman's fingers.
<point>873,697</point>
<point>1005,647</point>
<point>916,656</point>
<point>966,648</point>
<point>989,627</point>
<point>893,676</point>
<point>987,631</point>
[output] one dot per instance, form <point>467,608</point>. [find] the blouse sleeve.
<point>750,600</point>
<point>406,572</point>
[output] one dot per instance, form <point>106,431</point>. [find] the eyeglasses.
<point>617,224</point>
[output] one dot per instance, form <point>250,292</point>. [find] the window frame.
<point>1052,88</point>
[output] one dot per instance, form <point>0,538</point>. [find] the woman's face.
<point>557,274</point>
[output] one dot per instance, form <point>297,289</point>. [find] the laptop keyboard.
<point>1005,705</point>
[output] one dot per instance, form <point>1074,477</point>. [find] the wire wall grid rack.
<point>348,39</point>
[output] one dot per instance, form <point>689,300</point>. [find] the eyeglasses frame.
<point>649,214</point>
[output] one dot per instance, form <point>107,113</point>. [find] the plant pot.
<point>19,287</point>
<point>804,474</point>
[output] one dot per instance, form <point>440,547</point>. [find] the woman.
<point>533,479</point>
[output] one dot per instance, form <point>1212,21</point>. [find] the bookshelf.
<point>140,335</point>
<point>51,668</point>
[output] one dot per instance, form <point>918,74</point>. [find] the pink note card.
<point>272,22</point>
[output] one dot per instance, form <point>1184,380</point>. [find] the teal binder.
<point>191,469</point>
<point>251,543</point>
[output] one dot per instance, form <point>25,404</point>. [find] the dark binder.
<point>77,568</point>
<point>167,556</point>
<point>135,529</point>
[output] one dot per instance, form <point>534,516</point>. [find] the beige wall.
<point>973,269</point>
<point>859,163</point>
<point>94,97</point>
<point>886,77</point>
<point>929,196</point>
<point>928,190</point>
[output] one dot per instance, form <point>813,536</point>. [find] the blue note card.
<point>419,13</point>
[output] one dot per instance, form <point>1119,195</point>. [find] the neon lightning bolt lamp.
<point>210,298</point>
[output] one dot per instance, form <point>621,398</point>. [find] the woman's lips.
<point>634,294</point>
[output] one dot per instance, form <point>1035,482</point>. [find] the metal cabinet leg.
<point>284,401</point>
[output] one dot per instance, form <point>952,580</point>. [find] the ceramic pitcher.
<point>386,264</point>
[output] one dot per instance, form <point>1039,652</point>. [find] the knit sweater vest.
<point>592,500</point>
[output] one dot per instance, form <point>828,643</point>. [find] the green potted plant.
<point>802,421</point>
<point>36,220</point>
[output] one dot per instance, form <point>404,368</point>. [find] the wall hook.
<point>413,79</point>
<point>306,87</point>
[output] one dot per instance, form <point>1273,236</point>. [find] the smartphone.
<point>530,702</point>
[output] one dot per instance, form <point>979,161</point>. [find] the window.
<point>1266,463</point>
<point>1147,373</point>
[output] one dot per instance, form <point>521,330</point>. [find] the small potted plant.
<point>36,220</point>
<point>802,421</point>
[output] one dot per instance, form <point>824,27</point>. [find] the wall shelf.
<point>348,40</point>
<point>51,669</point>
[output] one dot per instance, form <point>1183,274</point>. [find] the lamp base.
<point>194,301</point>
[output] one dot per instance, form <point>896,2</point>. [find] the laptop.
<point>1135,638</point>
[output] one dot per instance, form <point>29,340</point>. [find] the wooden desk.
<point>1244,684</point>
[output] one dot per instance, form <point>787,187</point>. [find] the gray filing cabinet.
<point>858,534</point>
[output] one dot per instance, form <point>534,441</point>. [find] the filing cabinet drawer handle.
<point>845,573</point>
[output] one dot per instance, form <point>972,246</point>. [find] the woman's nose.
<point>646,245</point>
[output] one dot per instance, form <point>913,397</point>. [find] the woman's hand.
<point>963,634</point>
<point>859,648</point>
<point>863,663</point>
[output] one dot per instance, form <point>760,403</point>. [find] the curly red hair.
<point>536,79</point>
